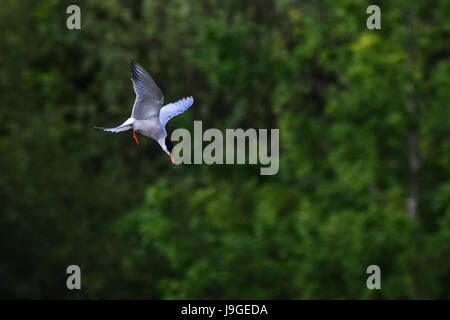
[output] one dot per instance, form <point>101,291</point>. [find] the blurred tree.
<point>363,118</point>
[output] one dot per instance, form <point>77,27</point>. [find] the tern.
<point>149,117</point>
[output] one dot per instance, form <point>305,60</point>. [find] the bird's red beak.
<point>171,159</point>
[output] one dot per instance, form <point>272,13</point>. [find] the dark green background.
<point>354,107</point>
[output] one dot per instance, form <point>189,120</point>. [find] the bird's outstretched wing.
<point>149,97</point>
<point>175,108</point>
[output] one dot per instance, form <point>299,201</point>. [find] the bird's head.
<point>167,146</point>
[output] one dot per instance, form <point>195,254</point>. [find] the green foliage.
<point>346,100</point>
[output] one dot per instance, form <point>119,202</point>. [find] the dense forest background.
<point>364,150</point>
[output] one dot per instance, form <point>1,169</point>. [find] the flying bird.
<point>149,117</point>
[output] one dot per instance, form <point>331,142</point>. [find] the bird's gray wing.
<point>149,97</point>
<point>175,108</point>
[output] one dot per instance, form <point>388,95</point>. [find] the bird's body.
<point>149,128</point>
<point>149,116</point>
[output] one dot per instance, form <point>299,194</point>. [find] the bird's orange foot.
<point>135,137</point>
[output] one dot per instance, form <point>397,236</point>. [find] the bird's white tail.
<point>127,125</point>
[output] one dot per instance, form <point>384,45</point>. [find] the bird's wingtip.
<point>133,64</point>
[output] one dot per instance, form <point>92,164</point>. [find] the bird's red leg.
<point>135,137</point>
